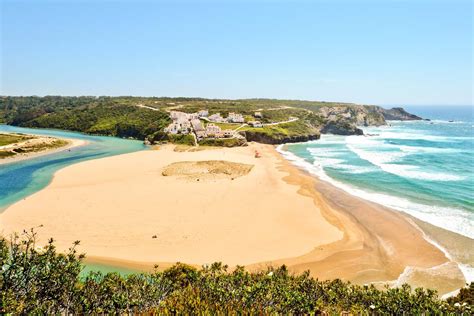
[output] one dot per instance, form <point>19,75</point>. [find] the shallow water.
<point>23,178</point>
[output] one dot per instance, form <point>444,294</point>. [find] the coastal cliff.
<point>399,114</point>
<point>344,120</point>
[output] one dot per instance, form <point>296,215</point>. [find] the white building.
<point>212,130</point>
<point>178,115</point>
<point>228,133</point>
<point>235,118</point>
<point>197,125</point>
<point>173,128</point>
<point>203,113</point>
<point>193,116</point>
<point>255,124</point>
<point>216,118</point>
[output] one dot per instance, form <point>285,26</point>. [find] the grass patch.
<point>222,142</point>
<point>182,139</point>
<point>7,139</point>
<point>57,143</point>
<point>6,154</point>
<point>231,126</point>
<point>287,129</point>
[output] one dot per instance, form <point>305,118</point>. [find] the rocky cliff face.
<point>359,115</point>
<point>341,128</point>
<point>344,120</point>
<point>399,114</point>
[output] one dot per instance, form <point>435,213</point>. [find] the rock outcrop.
<point>359,115</point>
<point>341,128</point>
<point>344,120</point>
<point>399,114</point>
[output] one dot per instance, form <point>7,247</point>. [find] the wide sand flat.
<point>114,206</point>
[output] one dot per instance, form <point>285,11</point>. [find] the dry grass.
<point>205,170</point>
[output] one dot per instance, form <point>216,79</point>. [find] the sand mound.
<point>211,169</point>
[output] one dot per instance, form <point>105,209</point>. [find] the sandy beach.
<point>135,210</point>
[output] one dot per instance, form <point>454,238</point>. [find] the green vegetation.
<point>231,126</point>
<point>223,142</point>
<point>275,134</point>
<point>34,281</point>
<point>7,139</point>
<point>132,116</point>
<point>6,154</point>
<point>57,143</point>
<point>102,116</point>
<point>162,137</point>
<point>38,144</point>
<point>182,139</point>
<point>286,129</point>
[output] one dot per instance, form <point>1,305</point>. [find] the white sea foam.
<point>325,152</point>
<point>327,162</point>
<point>414,136</point>
<point>452,219</point>
<point>431,150</point>
<point>386,159</point>
<point>467,271</point>
<point>413,172</point>
<point>354,169</point>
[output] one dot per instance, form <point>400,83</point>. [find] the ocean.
<point>424,168</point>
<point>21,179</point>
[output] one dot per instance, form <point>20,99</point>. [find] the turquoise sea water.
<point>423,168</point>
<point>23,178</point>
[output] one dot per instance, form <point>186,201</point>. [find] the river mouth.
<point>20,179</point>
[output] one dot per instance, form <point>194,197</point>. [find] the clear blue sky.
<point>376,52</point>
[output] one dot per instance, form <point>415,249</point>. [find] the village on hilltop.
<point>188,123</point>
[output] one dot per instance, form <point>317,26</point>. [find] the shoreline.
<point>72,143</point>
<point>368,243</point>
<point>452,244</point>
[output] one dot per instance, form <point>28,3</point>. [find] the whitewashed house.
<point>235,118</point>
<point>255,124</point>
<point>173,128</point>
<point>203,113</point>
<point>212,130</point>
<point>228,133</point>
<point>197,125</point>
<point>216,118</point>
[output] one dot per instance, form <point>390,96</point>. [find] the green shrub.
<point>41,281</point>
<point>182,139</point>
<point>223,142</point>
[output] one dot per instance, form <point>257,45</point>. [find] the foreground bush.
<point>41,281</point>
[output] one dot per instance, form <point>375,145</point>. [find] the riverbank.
<point>126,213</point>
<point>36,146</point>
